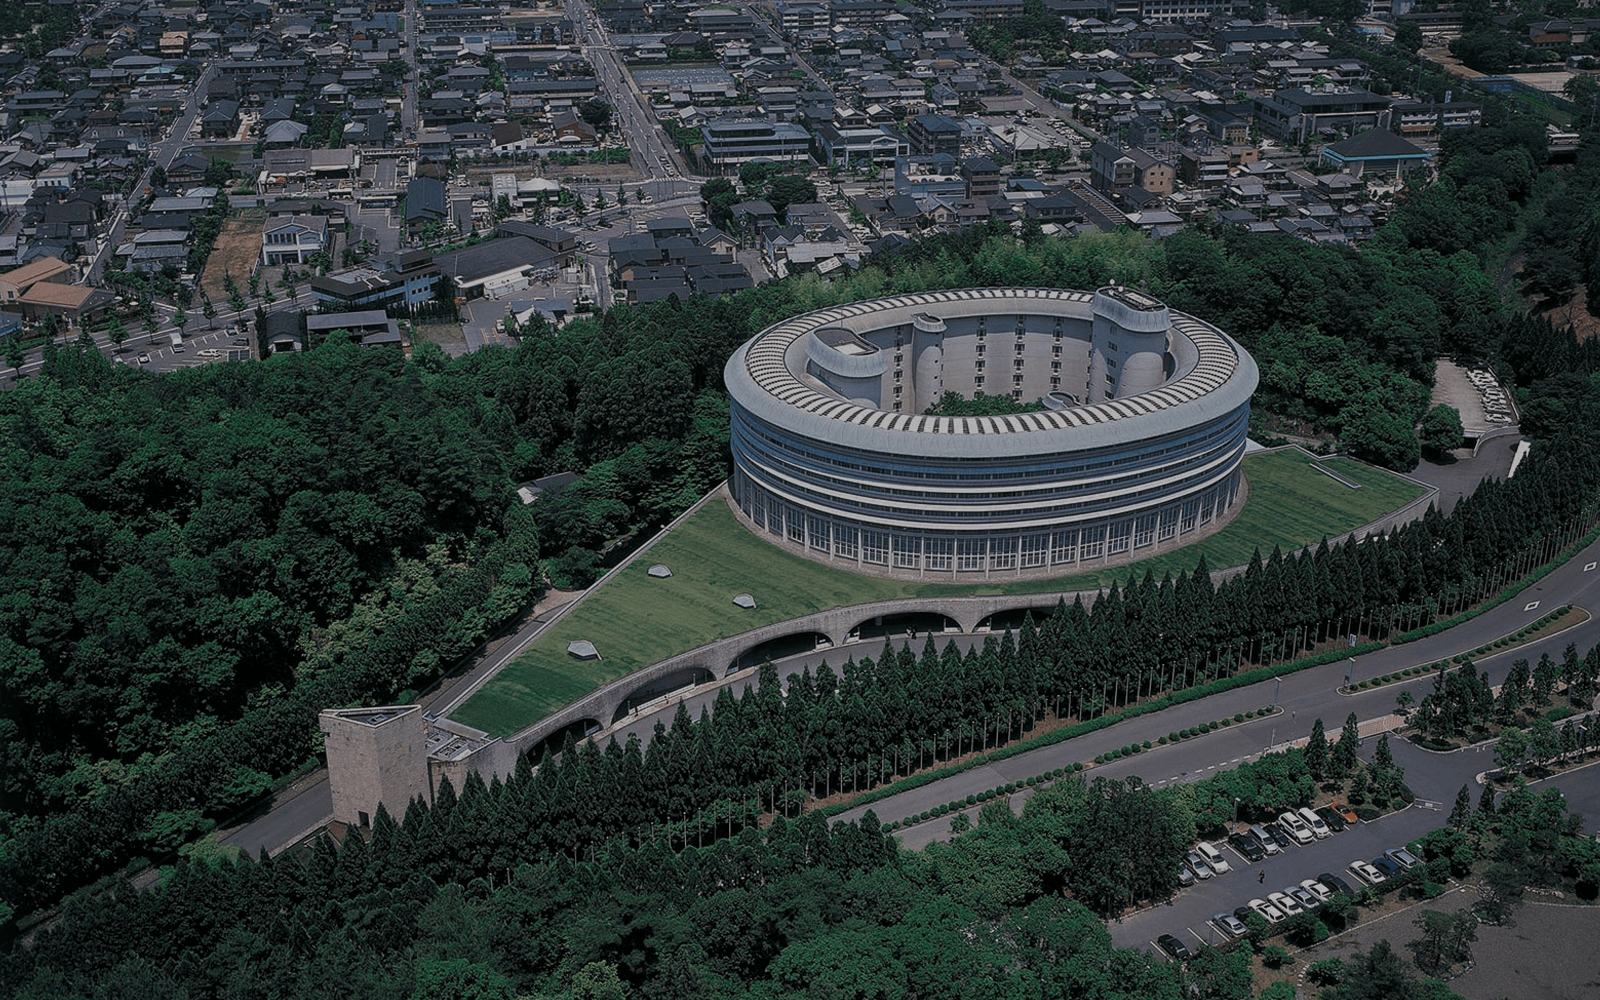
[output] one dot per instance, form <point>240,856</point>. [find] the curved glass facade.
<point>1025,501</point>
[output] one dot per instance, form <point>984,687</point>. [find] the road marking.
<point>1589,567</point>
<point>1530,605</point>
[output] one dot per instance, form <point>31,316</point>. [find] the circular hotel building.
<point>1137,450</point>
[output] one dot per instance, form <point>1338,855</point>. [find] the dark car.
<point>1335,822</point>
<point>1247,846</point>
<point>1172,946</point>
<point>1336,883</point>
<point>1389,868</point>
<point>1244,913</point>
<point>240,342</point>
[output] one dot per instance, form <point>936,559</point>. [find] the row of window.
<point>967,554</point>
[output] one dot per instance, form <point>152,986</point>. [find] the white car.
<point>1213,857</point>
<point>1296,828</point>
<point>1266,911</point>
<point>1199,865</point>
<point>1285,902</point>
<point>1318,827</point>
<point>1365,872</point>
<point>1317,889</point>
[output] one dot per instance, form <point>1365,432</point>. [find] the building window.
<point>898,389</point>
<point>1055,366</point>
<point>875,547</point>
<point>899,374</point>
<point>1035,550</point>
<point>938,552</point>
<point>1055,381</point>
<point>1169,524</point>
<point>797,526</point>
<point>899,358</point>
<point>1003,553</point>
<point>1017,364</point>
<point>1144,531</point>
<point>907,551</point>
<point>844,541</point>
<point>818,528</point>
<point>1064,546</point>
<point>1017,380</point>
<point>1118,538</point>
<point>1094,542</point>
<point>1191,511</point>
<point>980,349</point>
<point>977,382</point>
<point>978,365</point>
<point>1111,345</point>
<point>969,554</point>
<point>1020,348</point>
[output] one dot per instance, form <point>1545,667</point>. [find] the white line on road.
<point>1530,605</point>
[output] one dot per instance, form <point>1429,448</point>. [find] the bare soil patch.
<point>237,250</point>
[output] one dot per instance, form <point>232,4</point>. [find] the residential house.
<point>294,239</point>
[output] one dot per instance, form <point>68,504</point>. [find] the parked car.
<point>1229,924</point>
<point>1174,947</point>
<point>1389,868</point>
<point>1402,857</point>
<point>1317,889</point>
<point>144,359</point>
<point>240,342</point>
<point>1336,883</point>
<point>1307,899</point>
<point>1243,914</point>
<point>1319,829</point>
<point>1296,828</point>
<point>1214,858</point>
<point>1286,903</point>
<point>1349,814</point>
<point>1186,876</point>
<point>1248,847</point>
<point>1335,822</point>
<point>1367,874</point>
<point>1199,865</point>
<point>1266,911</point>
<point>1265,838</point>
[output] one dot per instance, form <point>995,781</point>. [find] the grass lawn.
<point>636,620</point>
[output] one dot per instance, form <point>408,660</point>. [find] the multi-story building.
<point>731,142</point>
<point>395,281</point>
<point>848,146</point>
<point>932,135</point>
<point>1113,169</point>
<point>1297,114</point>
<point>1427,122</point>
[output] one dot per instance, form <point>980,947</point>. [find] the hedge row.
<point>1513,638</point>
<point>1179,735</point>
<point>979,798</point>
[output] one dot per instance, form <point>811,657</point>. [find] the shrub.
<point>1162,741</point>
<point>1238,717</point>
<point>1227,722</point>
<point>1367,813</point>
<point>1328,972</point>
<point>1275,956</point>
<point>1078,766</point>
<point>1146,744</point>
<point>972,800</point>
<point>1099,758</point>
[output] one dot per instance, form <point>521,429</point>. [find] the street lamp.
<point>1276,687</point>
<point>1236,802</point>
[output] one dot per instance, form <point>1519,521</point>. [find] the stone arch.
<point>554,741</point>
<point>655,687</point>
<point>908,626</point>
<point>778,647</point>
<point>1011,618</point>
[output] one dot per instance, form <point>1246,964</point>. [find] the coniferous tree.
<point>1461,815</point>
<point>1316,752</point>
<point>1345,753</point>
